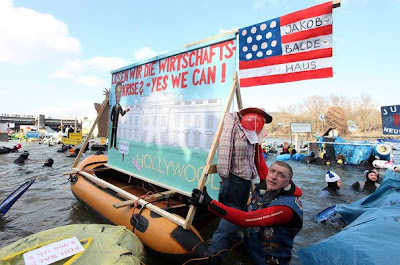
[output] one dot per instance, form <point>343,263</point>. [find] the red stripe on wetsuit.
<point>273,215</point>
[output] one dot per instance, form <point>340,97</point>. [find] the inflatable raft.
<point>91,185</point>
<point>102,244</point>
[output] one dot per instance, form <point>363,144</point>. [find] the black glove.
<point>261,186</point>
<point>200,198</point>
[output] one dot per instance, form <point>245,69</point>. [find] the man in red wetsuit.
<point>274,216</point>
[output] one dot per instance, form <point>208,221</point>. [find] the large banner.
<point>165,113</point>
<point>390,119</point>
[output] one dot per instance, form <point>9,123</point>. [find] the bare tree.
<point>313,108</point>
<point>363,111</point>
<point>368,116</point>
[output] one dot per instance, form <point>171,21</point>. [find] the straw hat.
<point>383,149</point>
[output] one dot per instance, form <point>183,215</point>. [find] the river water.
<point>49,202</point>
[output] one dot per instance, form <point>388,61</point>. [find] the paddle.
<point>14,196</point>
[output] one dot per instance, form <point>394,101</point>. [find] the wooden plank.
<point>146,180</point>
<point>160,194</point>
<point>177,220</point>
<point>239,98</point>
<point>105,102</point>
<point>335,3</point>
<point>152,196</point>
<point>213,149</point>
<point>235,31</point>
<point>75,170</point>
<point>124,204</point>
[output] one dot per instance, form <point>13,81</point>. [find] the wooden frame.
<point>103,106</point>
<point>209,168</point>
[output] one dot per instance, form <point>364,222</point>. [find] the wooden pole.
<point>174,218</point>
<point>213,149</point>
<point>105,102</point>
<point>239,98</point>
<point>336,3</point>
<point>235,31</point>
<point>75,125</point>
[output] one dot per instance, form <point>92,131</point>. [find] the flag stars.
<point>260,41</point>
<point>264,45</point>
<point>263,27</point>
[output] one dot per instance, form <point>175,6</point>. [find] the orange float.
<point>165,237</point>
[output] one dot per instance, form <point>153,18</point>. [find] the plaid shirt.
<point>235,152</point>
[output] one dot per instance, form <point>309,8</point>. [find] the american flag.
<point>293,47</point>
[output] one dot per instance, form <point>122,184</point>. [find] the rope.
<point>214,255</point>
<point>142,197</point>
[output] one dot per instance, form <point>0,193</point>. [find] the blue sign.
<point>390,119</point>
<point>33,134</point>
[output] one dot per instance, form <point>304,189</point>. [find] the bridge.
<point>40,120</point>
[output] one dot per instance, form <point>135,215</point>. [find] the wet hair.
<point>285,165</point>
<point>333,185</point>
<point>367,172</point>
<point>49,163</point>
